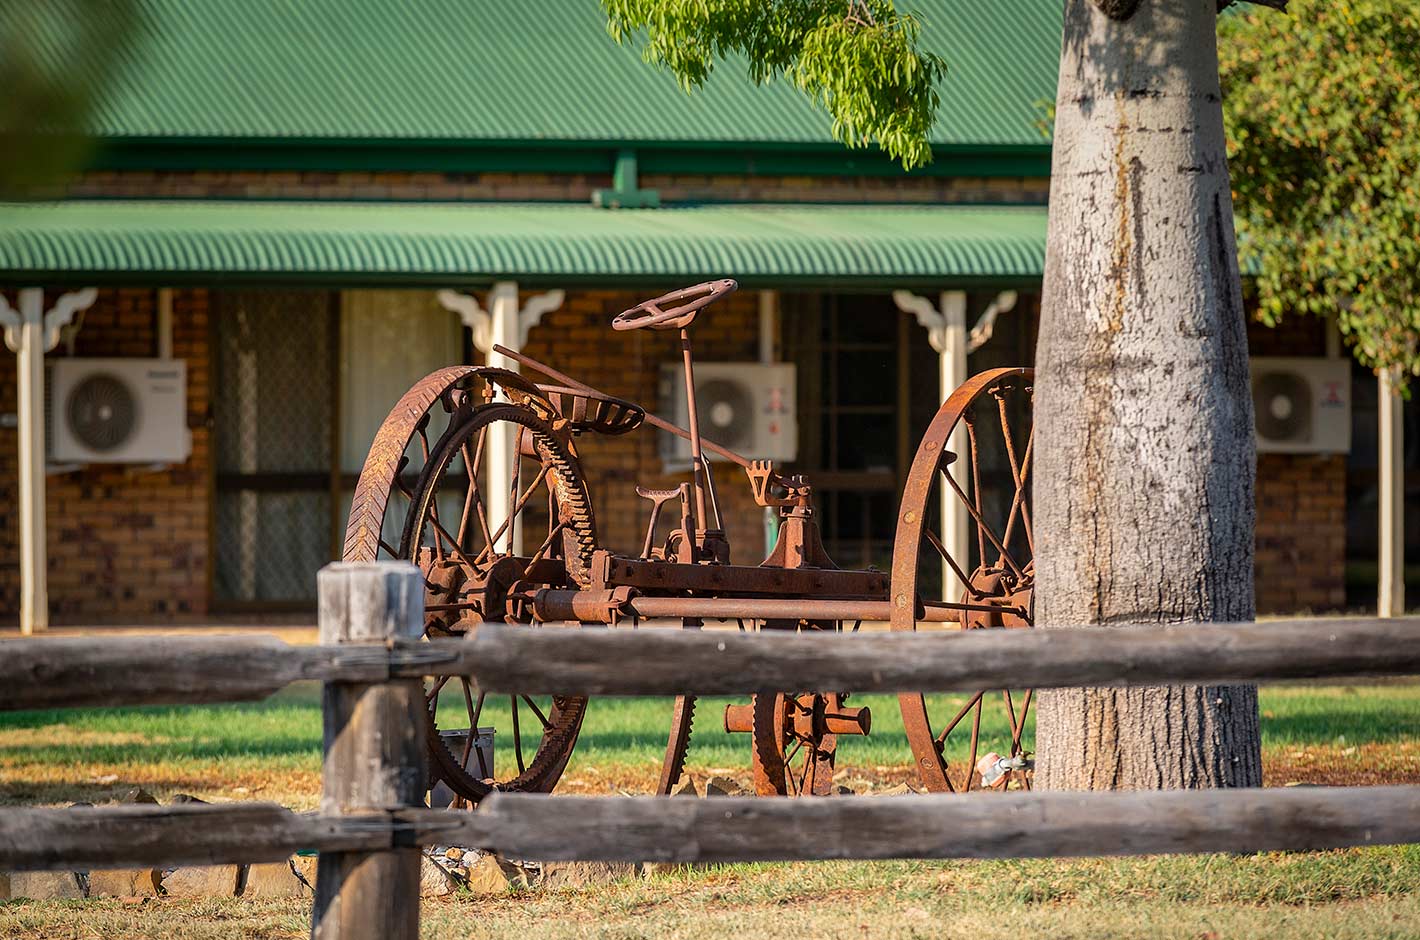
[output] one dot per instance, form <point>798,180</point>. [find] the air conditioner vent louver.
<point>117,411</point>
<point>726,412</point>
<point>101,411</point>
<point>1302,405</point>
<point>748,407</point>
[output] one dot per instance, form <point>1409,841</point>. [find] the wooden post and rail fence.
<point>371,821</point>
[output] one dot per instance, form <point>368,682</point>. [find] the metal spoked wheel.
<point>428,478</point>
<point>795,735</point>
<point>976,741</point>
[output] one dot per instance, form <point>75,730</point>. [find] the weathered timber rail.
<point>369,827</point>
<point>727,829</point>
<point>75,672</point>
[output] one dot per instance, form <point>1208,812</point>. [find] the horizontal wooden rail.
<point>976,825</point>
<point>726,829</point>
<point>669,662</point>
<point>76,672</point>
<point>134,836</point>
<point>72,672</point>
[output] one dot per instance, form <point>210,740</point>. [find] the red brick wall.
<point>577,339</point>
<point>122,544</point>
<point>1301,532</point>
<point>520,187</point>
<point>1301,501</point>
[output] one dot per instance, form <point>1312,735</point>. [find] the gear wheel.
<point>574,511</point>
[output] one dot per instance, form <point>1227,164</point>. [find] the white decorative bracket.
<point>952,313</point>
<point>11,321</point>
<point>503,296</point>
<point>534,309</point>
<point>1004,302</point>
<point>472,315</point>
<point>935,321</point>
<point>54,320</point>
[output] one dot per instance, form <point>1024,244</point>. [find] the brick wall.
<point>122,544</point>
<point>1301,532</point>
<point>520,187</point>
<point>1301,501</point>
<point>577,339</point>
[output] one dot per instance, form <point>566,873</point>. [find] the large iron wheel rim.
<point>562,717</point>
<point>1004,573</point>
<point>404,439</point>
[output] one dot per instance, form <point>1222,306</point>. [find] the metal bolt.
<point>909,516</point>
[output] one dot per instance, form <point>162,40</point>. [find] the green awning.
<point>558,244</point>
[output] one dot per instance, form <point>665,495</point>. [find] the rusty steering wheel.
<point>689,300</point>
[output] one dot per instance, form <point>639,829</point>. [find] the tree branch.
<point>1274,4</point>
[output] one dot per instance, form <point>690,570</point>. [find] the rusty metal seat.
<point>590,411</point>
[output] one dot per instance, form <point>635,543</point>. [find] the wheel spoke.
<point>983,531</point>
<point>433,696</point>
<point>975,739</point>
<point>946,556</point>
<point>547,543</point>
<point>517,736</point>
<point>518,505</point>
<point>1020,729</point>
<point>453,545</point>
<point>951,725</point>
<point>546,725</point>
<point>975,488</point>
<point>1018,501</point>
<point>472,725</point>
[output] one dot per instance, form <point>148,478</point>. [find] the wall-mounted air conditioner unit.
<point>117,411</point>
<point>1303,406</point>
<point>748,407</point>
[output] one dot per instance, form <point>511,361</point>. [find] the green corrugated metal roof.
<point>551,243</point>
<point>536,70</point>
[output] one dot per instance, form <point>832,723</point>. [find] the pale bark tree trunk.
<point>1144,483</point>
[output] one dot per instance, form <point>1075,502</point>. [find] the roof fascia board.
<point>331,155</point>
<point>617,281</point>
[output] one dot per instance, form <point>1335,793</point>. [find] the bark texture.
<point>1144,480</point>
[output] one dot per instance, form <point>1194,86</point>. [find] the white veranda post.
<point>30,332</point>
<point>945,324</point>
<point>1391,602</point>
<point>505,322</point>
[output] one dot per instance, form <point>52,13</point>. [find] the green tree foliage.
<point>1323,115</point>
<point>56,58</point>
<point>858,59</point>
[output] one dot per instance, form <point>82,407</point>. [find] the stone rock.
<point>274,880</point>
<point>436,881</point>
<point>180,798</point>
<point>902,789</point>
<point>582,874</point>
<point>489,874</point>
<point>687,787</point>
<point>138,795</point>
<point>454,854</point>
<point>124,883</point>
<point>45,885</point>
<point>723,786</point>
<point>202,881</point>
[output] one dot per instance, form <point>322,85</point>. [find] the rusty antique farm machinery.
<point>465,432</point>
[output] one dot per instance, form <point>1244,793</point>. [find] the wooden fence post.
<point>374,754</point>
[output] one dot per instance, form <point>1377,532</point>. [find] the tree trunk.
<point>1144,480</point>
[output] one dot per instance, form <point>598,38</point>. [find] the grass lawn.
<point>271,751</point>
